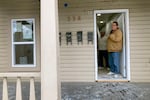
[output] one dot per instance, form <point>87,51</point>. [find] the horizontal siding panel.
<point>140,26</point>
<point>68,50</point>
<point>145,69</point>
<point>77,79</point>
<point>83,24</point>
<point>140,48</point>
<point>139,43</point>
<point>29,13</point>
<point>3,44</point>
<point>133,60</point>
<point>78,54</point>
<point>76,46</point>
<point>140,56</point>
<point>69,14</point>
<point>89,46</point>
<point>3,35</point>
<point>143,35</point>
<point>4,39</point>
<point>140,78</point>
<point>139,22</point>
<point>82,65</point>
<point>77,70</point>
<point>141,73</point>
<point>141,14</point>
<point>3,28</point>
<point>3,51</point>
<point>77,61</point>
<point>77,74</point>
<point>137,31</point>
<point>139,52</point>
<point>144,39</point>
<point>5,62</point>
<point>3,55</point>
<point>4,59</point>
<point>82,21</point>
<point>77,57</point>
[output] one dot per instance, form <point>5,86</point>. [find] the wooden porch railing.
<point>18,77</point>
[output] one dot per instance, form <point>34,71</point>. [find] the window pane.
<point>24,54</point>
<point>23,30</point>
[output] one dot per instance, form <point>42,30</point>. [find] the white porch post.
<point>49,31</point>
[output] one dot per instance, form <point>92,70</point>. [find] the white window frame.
<point>23,43</point>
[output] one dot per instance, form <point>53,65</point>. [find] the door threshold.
<point>112,80</point>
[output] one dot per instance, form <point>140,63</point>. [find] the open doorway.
<point>102,25</point>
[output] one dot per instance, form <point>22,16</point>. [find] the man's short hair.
<point>116,22</point>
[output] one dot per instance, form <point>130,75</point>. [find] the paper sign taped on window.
<point>27,32</point>
<point>23,60</point>
<point>19,26</point>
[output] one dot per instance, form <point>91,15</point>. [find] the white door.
<point>123,70</point>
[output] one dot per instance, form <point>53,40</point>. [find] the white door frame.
<point>126,11</point>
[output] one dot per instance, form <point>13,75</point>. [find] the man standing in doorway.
<point>114,46</point>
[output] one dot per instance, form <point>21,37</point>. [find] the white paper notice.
<point>27,32</point>
<point>19,26</point>
<point>23,60</point>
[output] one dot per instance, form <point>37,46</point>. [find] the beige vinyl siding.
<point>76,65</point>
<point>16,9</point>
<point>77,62</point>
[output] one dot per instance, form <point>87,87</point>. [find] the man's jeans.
<point>114,62</point>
